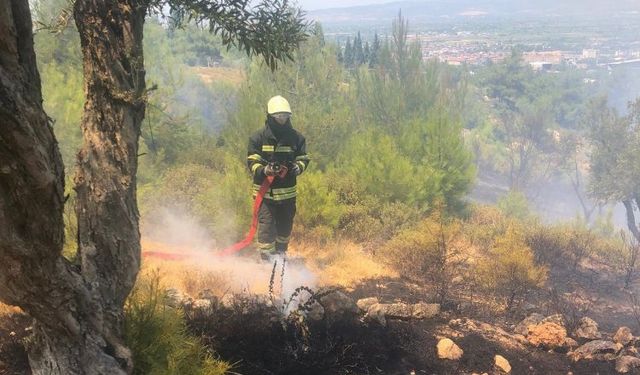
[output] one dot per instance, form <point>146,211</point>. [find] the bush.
<point>484,224</point>
<point>317,203</point>
<point>157,336</point>
<point>432,251</point>
<point>510,271</point>
<point>569,244</point>
<point>515,205</point>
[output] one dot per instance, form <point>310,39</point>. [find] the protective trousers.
<point>275,221</point>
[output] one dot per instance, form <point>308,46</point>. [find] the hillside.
<point>446,11</point>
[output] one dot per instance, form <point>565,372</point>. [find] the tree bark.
<point>78,308</point>
<point>631,219</point>
<point>105,180</point>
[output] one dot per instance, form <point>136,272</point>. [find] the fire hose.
<point>281,171</point>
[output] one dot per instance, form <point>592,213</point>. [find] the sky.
<point>323,4</point>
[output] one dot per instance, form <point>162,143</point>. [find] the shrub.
<point>484,224</point>
<point>157,336</point>
<point>317,204</point>
<point>569,244</point>
<point>515,205</point>
<point>510,270</point>
<point>432,251</point>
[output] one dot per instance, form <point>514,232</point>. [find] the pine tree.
<point>374,54</point>
<point>367,53</point>
<point>348,54</point>
<point>358,52</point>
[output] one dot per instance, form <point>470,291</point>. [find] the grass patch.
<point>158,337</point>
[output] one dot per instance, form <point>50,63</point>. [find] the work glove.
<point>270,170</point>
<point>296,169</point>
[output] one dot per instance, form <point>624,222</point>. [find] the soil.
<point>13,357</point>
<point>258,341</point>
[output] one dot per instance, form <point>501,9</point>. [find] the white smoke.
<point>174,231</point>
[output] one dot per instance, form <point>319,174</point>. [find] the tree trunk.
<point>105,180</point>
<point>77,308</point>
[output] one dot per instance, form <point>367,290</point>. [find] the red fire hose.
<point>266,184</point>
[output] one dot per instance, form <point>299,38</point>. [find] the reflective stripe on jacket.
<point>285,146</point>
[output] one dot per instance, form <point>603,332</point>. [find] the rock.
<point>201,304</point>
<point>447,349</point>
<point>364,303</point>
<point>570,343</point>
<point>338,304</point>
<point>425,310</point>
<point>522,328</point>
<point>547,335</point>
<point>207,294</point>
<point>316,312</point>
<point>587,329</point>
<point>502,364</point>
<point>555,318</point>
<point>596,349</point>
<point>376,314</point>
<point>623,336</point>
<point>627,363</point>
<point>228,300</point>
<point>397,310</point>
<point>175,298</point>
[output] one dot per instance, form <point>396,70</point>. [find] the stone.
<point>425,310</point>
<point>555,318</point>
<point>364,303</point>
<point>175,298</point>
<point>376,314</point>
<point>623,336</point>
<point>201,304</point>
<point>316,312</point>
<point>207,294</point>
<point>228,300</point>
<point>338,304</point>
<point>626,363</point>
<point>502,364</point>
<point>596,349</point>
<point>570,343</point>
<point>397,310</point>
<point>587,329</point>
<point>522,328</point>
<point>547,335</point>
<point>447,349</point>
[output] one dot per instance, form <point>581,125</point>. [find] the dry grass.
<point>335,264</point>
<point>233,76</point>
<point>6,310</point>
<point>341,263</point>
<point>201,270</point>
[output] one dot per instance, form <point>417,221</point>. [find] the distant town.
<point>466,48</point>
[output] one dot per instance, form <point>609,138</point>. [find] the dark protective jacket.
<point>279,144</point>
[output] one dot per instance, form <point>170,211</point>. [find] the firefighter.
<point>276,150</point>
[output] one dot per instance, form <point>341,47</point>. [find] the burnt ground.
<point>260,343</point>
<point>257,341</point>
<point>13,357</point>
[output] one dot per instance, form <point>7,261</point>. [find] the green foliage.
<point>510,270</point>
<point>270,28</point>
<point>318,205</point>
<point>484,224</point>
<point>157,336</point>
<point>375,161</point>
<point>515,205</point>
<point>430,251</point>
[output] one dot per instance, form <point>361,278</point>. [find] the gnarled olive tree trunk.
<point>77,307</point>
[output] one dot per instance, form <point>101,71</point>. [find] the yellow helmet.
<point>278,104</point>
